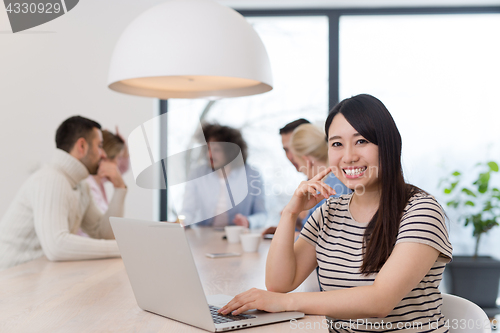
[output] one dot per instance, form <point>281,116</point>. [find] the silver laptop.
<point>163,276</point>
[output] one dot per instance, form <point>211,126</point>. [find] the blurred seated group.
<point>54,212</point>
<point>216,193</point>
<point>62,210</point>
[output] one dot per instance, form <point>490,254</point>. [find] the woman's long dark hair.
<point>372,120</point>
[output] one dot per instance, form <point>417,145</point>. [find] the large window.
<point>298,51</point>
<point>436,69</point>
<point>439,77</point>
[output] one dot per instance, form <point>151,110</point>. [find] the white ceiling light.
<point>190,49</point>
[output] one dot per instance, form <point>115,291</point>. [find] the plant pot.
<point>475,279</point>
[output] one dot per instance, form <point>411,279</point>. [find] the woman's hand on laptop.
<point>257,299</point>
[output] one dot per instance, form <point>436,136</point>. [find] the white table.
<point>95,295</point>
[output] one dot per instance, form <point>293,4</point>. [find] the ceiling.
<point>282,4</point>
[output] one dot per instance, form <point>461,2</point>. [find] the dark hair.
<point>290,127</point>
<point>73,129</point>
<point>372,120</point>
<point>220,133</point>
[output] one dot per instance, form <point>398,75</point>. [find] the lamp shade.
<point>190,49</point>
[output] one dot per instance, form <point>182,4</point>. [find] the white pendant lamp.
<point>190,49</point>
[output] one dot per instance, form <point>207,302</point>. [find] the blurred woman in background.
<point>310,150</point>
<point>117,152</point>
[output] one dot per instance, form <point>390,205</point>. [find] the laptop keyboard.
<point>218,318</point>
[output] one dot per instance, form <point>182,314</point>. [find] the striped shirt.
<point>338,240</point>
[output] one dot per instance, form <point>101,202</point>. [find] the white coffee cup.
<point>233,233</point>
<point>250,242</point>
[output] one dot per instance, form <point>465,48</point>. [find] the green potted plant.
<point>478,204</point>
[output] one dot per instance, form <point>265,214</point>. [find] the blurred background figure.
<point>310,150</point>
<point>306,148</point>
<point>116,150</point>
<point>286,135</point>
<point>211,197</point>
<point>55,202</point>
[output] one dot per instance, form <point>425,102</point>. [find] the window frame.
<point>334,15</point>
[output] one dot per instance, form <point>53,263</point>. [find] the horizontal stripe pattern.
<point>338,240</point>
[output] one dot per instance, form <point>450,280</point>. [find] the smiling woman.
<point>381,250</point>
<point>355,159</point>
<point>364,139</point>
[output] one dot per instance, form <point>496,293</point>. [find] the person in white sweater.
<point>55,202</point>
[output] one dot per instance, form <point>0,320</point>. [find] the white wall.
<point>57,70</point>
